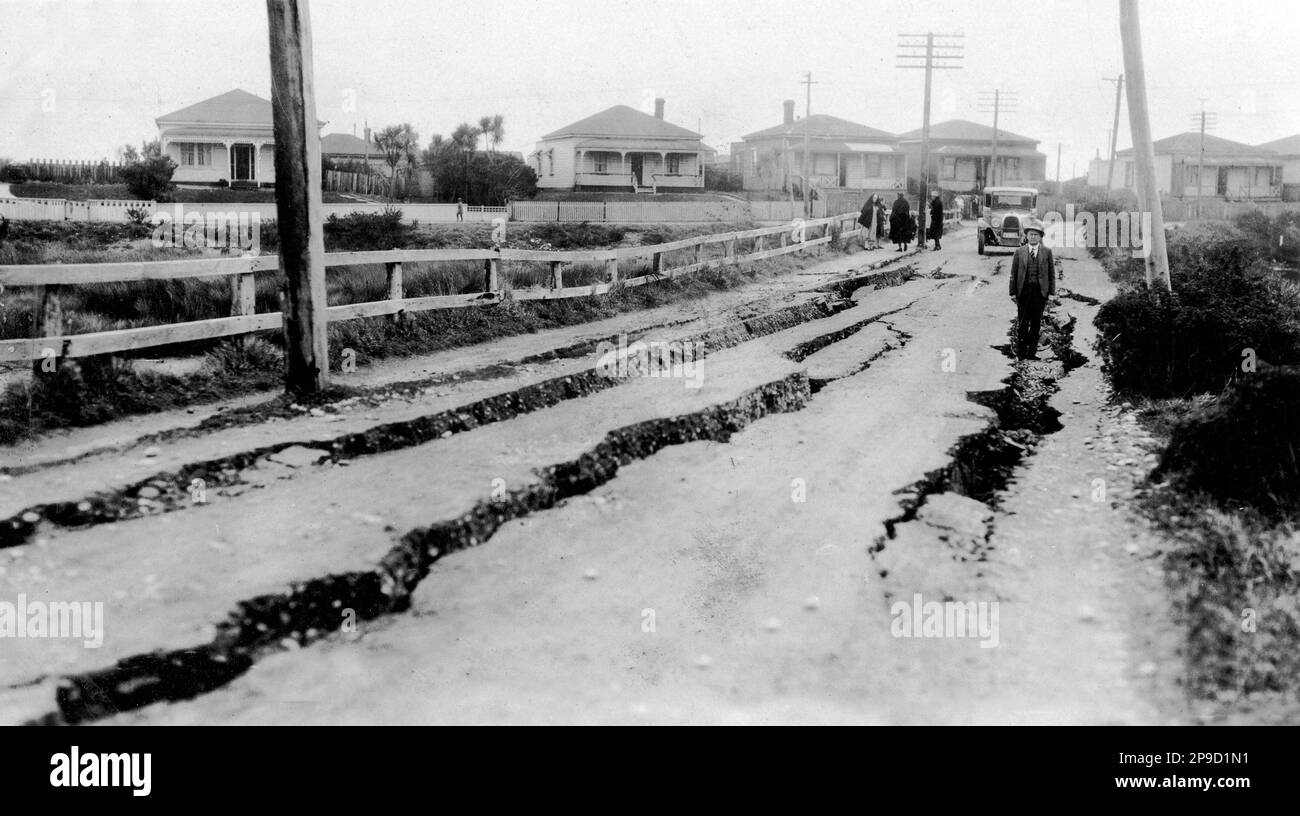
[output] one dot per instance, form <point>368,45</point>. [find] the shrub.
<point>1243,448</point>
<point>150,179</point>
<point>366,231</point>
<point>1224,301</point>
<point>1277,239</point>
<point>13,174</point>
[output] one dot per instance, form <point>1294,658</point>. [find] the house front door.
<point>241,162</point>
<point>638,165</point>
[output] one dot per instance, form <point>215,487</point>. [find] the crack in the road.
<point>170,491</point>
<point>311,610</point>
<point>980,464</point>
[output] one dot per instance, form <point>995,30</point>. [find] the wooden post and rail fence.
<point>664,260</point>
<point>302,261</point>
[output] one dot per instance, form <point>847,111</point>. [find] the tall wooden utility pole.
<point>1157,259</point>
<point>1114,131</point>
<point>910,46</point>
<point>807,170</point>
<point>1000,101</point>
<point>298,196</point>
<point>1203,120</point>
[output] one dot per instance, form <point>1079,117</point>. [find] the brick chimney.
<point>659,107</point>
<point>789,111</point>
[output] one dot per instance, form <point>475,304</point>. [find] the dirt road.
<point>771,537</point>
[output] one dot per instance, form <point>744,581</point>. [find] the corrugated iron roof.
<point>622,121</point>
<point>346,144</point>
<point>1190,142</point>
<point>237,107</point>
<point>965,130</point>
<point>614,144</point>
<point>821,125</point>
<point>1288,146</point>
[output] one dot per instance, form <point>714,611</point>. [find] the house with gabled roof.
<point>621,149</point>
<point>1288,152</point>
<point>1227,170</point>
<point>229,138</point>
<point>841,155</point>
<point>346,147</point>
<point>961,156</point>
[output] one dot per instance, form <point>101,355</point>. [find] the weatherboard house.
<point>961,156</point>
<point>228,138</point>
<point>621,149</point>
<point>1226,170</point>
<point>841,155</point>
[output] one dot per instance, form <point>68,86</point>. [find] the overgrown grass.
<point>96,390</point>
<point>1226,494</point>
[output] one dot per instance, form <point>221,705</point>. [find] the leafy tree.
<point>147,150</point>
<point>398,143</point>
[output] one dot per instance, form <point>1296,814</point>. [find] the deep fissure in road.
<point>311,609</point>
<point>980,464</point>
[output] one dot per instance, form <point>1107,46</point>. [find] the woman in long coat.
<point>901,228</point>
<point>934,230</point>
<point>867,218</point>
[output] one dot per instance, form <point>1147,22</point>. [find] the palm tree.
<point>465,139</point>
<point>494,130</point>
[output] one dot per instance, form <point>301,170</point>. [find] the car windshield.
<point>1020,201</point>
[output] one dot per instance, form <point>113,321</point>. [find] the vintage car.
<point>1003,216</point>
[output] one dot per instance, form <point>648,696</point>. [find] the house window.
<point>1012,168</point>
<point>948,168</point>
<point>966,170</point>
<point>602,162</point>
<point>550,162</point>
<point>1193,176</point>
<point>1128,174</point>
<point>873,165</point>
<point>1263,176</point>
<point>195,155</point>
<point>674,164</point>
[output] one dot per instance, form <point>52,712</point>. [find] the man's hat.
<point>1035,225</point>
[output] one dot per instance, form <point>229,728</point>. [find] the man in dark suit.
<point>1033,281</point>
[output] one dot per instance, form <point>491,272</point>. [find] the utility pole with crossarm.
<point>932,55</point>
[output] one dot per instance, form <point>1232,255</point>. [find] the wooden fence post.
<point>298,195</point>
<point>48,325</point>
<point>395,287</point>
<point>557,274</point>
<point>611,269</point>
<point>243,298</point>
<point>491,275</point>
<point>657,263</point>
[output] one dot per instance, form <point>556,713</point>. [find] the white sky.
<point>78,79</point>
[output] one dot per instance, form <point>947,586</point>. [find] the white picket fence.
<point>58,209</point>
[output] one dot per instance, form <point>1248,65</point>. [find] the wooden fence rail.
<point>51,341</point>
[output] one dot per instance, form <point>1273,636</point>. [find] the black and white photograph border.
<point>614,363</point>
